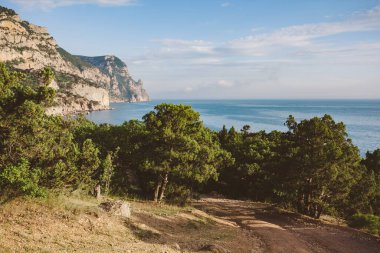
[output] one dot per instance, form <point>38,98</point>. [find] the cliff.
<point>83,83</point>
<point>122,86</point>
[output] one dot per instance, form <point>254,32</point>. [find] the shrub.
<point>20,179</point>
<point>367,222</point>
<point>178,195</point>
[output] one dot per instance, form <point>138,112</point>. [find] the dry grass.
<point>77,224</point>
<point>65,225</point>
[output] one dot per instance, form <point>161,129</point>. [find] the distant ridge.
<point>83,83</point>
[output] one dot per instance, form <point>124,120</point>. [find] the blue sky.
<point>226,49</point>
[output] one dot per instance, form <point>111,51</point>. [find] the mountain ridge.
<point>118,71</point>
<point>82,83</point>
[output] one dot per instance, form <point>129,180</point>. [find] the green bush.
<point>367,222</point>
<point>178,195</point>
<point>20,179</point>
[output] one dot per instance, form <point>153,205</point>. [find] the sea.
<point>361,117</point>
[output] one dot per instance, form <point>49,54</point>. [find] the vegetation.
<point>7,11</point>
<point>368,222</point>
<point>75,60</point>
<point>170,155</point>
<point>178,145</point>
<point>38,151</point>
<point>99,61</point>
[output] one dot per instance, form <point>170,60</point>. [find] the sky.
<point>226,49</point>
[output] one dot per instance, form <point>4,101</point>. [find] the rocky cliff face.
<point>83,83</point>
<point>121,85</point>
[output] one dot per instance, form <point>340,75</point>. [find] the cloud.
<point>224,83</point>
<point>49,4</point>
<point>185,46</point>
<point>285,44</point>
<point>188,89</point>
<point>303,36</point>
<point>299,60</point>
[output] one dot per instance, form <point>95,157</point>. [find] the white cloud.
<point>188,89</point>
<point>294,61</point>
<point>303,36</point>
<point>175,46</point>
<point>224,83</point>
<point>282,44</point>
<point>49,4</point>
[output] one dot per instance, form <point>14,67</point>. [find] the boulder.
<point>117,207</point>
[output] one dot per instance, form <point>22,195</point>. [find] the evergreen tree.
<point>325,164</point>
<point>179,146</point>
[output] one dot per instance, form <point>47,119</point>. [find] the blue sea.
<point>362,117</point>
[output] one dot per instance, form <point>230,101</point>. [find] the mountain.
<point>82,83</point>
<point>122,87</point>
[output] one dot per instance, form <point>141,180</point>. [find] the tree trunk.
<point>319,212</point>
<point>97,192</point>
<point>163,186</point>
<point>299,202</point>
<point>157,190</point>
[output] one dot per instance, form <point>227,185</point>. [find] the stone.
<point>118,207</point>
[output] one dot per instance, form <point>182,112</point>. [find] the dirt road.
<point>289,232</point>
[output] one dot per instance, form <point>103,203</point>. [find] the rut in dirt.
<point>289,232</point>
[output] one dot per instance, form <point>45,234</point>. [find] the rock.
<point>92,82</point>
<point>99,95</point>
<point>117,207</point>
<point>122,87</point>
<point>214,248</point>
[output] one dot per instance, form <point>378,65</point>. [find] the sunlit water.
<point>362,117</point>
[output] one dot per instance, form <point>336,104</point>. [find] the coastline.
<point>268,115</point>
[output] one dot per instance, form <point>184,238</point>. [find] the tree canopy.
<point>180,146</point>
<point>312,168</point>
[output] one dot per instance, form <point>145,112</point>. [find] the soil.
<point>286,232</point>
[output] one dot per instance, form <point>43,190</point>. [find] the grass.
<point>143,233</point>
<point>77,205</point>
<point>222,235</point>
<point>59,224</point>
<point>68,222</point>
<point>159,209</point>
<point>366,222</point>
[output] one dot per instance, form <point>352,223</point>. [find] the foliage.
<point>7,11</point>
<point>312,168</point>
<point>179,146</point>
<point>368,222</point>
<point>372,163</point>
<point>20,179</point>
<point>325,164</point>
<point>47,75</point>
<point>38,147</point>
<point>75,60</point>
<point>108,171</point>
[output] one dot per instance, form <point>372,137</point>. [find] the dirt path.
<point>288,232</point>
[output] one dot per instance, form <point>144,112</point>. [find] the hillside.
<point>122,87</point>
<point>68,224</point>
<point>82,84</point>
